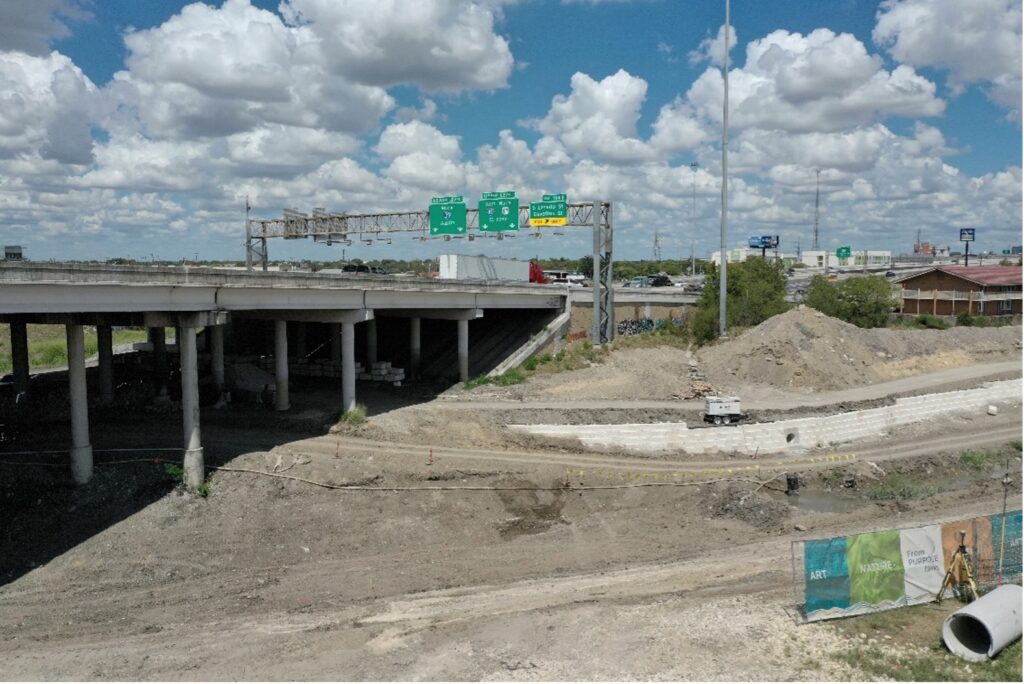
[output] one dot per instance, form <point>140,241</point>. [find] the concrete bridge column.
<point>194,466</point>
<point>348,366</point>
<point>300,339</point>
<point>105,348</point>
<point>281,364</point>
<point>81,450</point>
<point>463,348</point>
<point>414,347</point>
<point>158,336</point>
<point>217,356</point>
<point>19,356</point>
<point>335,329</point>
<point>371,343</point>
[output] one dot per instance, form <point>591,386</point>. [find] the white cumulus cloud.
<point>977,41</point>
<point>434,44</point>
<point>819,82</point>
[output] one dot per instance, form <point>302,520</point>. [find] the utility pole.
<point>817,198</point>
<point>657,247</point>
<point>248,237</point>
<point>723,278</point>
<point>693,213</point>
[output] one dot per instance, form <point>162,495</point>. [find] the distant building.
<point>867,259</point>
<point>13,253</point>
<point>952,290</point>
<point>743,252</point>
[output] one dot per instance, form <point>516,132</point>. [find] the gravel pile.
<point>805,348</point>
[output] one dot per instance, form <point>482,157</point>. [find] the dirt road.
<point>521,579</point>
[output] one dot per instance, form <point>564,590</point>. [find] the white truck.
<point>722,410</point>
<point>463,267</point>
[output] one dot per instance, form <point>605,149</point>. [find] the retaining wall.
<point>781,435</point>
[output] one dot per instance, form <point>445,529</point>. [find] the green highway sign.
<point>551,212</point>
<point>843,252</point>
<point>498,211</point>
<point>448,215</point>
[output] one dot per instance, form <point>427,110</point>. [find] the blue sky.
<point>136,128</point>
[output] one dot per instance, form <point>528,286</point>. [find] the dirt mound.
<point>804,348</point>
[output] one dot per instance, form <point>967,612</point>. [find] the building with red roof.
<point>952,290</point>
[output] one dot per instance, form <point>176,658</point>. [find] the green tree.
<point>823,296</point>
<point>755,292</point>
<point>864,302</point>
<point>586,266</point>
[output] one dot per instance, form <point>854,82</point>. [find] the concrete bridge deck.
<point>190,298</point>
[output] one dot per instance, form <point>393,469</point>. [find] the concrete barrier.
<point>798,433</point>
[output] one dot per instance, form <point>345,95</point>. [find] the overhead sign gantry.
<point>449,218</point>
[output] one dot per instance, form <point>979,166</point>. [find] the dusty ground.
<point>451,551</point>
<point>805,349</point>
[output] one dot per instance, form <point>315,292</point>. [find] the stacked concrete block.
<point>783,435</point>
<point>383,371</point>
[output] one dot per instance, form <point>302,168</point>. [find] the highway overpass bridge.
<point>191,298</point>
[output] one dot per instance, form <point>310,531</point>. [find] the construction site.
<point>581,524</point>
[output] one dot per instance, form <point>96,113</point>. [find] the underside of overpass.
<point>348,329</point>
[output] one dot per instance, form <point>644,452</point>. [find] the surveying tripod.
<point>960,569</point>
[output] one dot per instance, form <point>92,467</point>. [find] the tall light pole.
<point>693,213</point>
<point>723,279</point>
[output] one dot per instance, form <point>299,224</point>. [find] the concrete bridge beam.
<point>105,349</point>
<point>281,402</point>
<point>217,356</point>
<point>194,466</point>
<point>414,346</point>
<point>348,366</point>
<point>81,449</point>
<point>19,356</point>
<point>158,338</point>
<point>371,342</point>
<point>463,348</point>
<point>335,332</point>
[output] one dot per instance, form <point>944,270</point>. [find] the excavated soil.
<point>503,562</point>
<point>806,349</point>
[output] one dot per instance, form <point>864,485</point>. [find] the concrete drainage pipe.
<point>983,628</point>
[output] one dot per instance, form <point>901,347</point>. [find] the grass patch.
<point>47,344</point>
<point>929,322</point>
<point>833,477</point>
<point>354,416</point>
<point>668,334</point>
<point>513,376</point>
<point>896,487</point>
<point>908,647</point>
<point>581,354</point>
<point>978,460</point>
<point>1017,444</point>
<point>478,381</point>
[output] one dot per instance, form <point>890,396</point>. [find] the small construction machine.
<point>722,410</point>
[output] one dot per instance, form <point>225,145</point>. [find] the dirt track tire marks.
<point>328,445</point>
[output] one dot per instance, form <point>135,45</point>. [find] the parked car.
<point>890,274</point>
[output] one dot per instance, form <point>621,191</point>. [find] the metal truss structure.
<point>344,228</point>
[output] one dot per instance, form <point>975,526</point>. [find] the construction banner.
<point>1006,546</point>
<point>874,571</point>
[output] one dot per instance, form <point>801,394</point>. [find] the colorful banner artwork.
<point>865,573</point>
